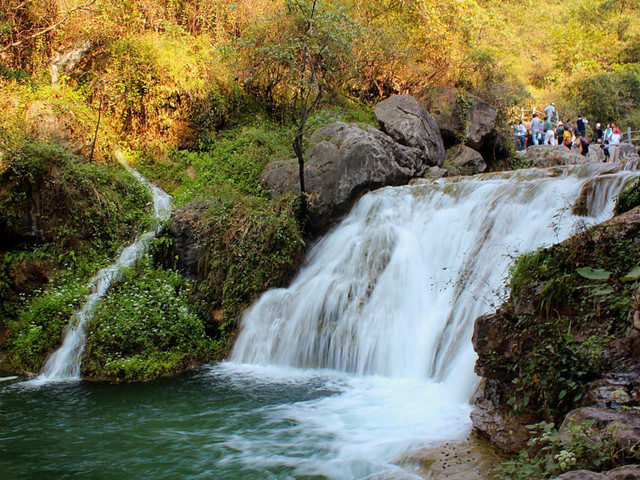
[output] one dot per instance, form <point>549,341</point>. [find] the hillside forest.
<point>200,96</point>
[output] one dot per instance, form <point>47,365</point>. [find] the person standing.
<point>559,134</point>
<point>614,144</point>
<point>536,129</point>
<point>581,126</point>
<point>550,110</point>
<point>521,137</point>
<point>607,134</point>
<point>567,135</point>
<point>549,134</point>
<point>599,134</point>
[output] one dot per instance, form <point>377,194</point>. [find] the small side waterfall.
<point>393,291</point>
<point>64,363</point>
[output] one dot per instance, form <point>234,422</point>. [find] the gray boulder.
<point>628,472</point>
<point>622,426</point>
<point>436,172</point>
<point>342,162</point>
<point>553,155</point>
<point>461,117</point>
<point>405,120</point>
<point>628,152</point>
<point>465,160</point>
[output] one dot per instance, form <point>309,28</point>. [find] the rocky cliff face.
<point>565,346</point>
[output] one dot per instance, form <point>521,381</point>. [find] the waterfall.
<point>394,290</point>
<point>64,363</point>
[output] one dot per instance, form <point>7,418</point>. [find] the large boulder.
<point>553,155</point>
<point>465,160</point>
<point>461,117</point>
<point>405,120</point>
<point>344,161</point>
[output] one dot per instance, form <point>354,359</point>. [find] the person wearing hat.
<point>599,134</point>
<point>550,110</point>
<point>559,134</point>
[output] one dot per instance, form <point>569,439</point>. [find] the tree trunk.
<point>297,148</point>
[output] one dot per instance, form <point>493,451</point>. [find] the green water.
<point>173,428</point>
<point>226,421</point>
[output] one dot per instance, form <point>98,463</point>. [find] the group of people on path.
<point>551,131</point>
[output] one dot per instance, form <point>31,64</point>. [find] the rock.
<point>495,420</point>
<point>596,154</point>
<point>343,162</point>
<point>462,118</point>
<point>615,390</point>
<point>68,60</point>
<point>627,472</point>
<point>580,475</point>
<point>45,123</point>
<point>620,426</point>
<point>408,123</point>
<point>504,338</point>
<point>628,152</point>
<point>486,344</point>
<point>465,160</point>
<point>29,274</point>
<point>552,155</point>
<point>470,459</point>
<point>437,172</point>
<point>185,233</point>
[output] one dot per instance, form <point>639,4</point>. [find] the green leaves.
<point>634,274</point>
<point>593,273</point>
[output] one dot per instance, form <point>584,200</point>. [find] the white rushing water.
<point>64,363</point>
<point>389,298</point>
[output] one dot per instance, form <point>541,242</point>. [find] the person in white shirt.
<point>614,144</point>
<point>521,135</point>
<point>550,110</point>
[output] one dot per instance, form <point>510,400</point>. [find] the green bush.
<point>39,326</point>
<point>581,293</point>
<point>85,212</point>
<point>145,327</point>
<point>79,205</point>
<point>253,244</point>
<point>629,197</point>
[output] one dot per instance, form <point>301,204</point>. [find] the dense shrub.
<point>144,327</point>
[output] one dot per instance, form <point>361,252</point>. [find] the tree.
<point>294,58</point>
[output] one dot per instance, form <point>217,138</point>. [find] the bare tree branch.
<point>49,28</point>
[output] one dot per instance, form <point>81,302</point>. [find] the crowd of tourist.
<point>551,131</point>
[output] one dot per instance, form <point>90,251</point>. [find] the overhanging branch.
<point>49,28</point>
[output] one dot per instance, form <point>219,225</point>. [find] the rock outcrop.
<point>542,156</point>
<point>461,117</point>
<point>73,130</point>
<point>185,233</point>
<point>465,160</point>
<point>628,472</point>
<point>408,123</point>
<point>555,351</point>
<point>344,161</point>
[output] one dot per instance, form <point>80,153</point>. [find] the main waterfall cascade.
<point>393,291</point>
<point>64,363</point>
<point>362,362</point>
